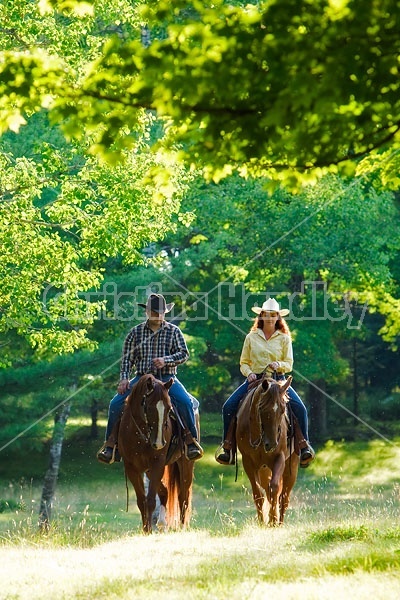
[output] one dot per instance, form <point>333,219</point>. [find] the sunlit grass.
<point>341,538</point>
<point>201,565</point>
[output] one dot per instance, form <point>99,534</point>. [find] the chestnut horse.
<point>261,435</point>
<point>143,440</point>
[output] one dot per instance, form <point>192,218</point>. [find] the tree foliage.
<point>284,88</point>
<point>320,253</point>
<point>63,214</point>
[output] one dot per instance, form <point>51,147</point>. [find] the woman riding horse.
<point>269,458</point>
<point>267,350</point>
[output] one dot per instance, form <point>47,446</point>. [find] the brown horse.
<point>144,436</point>
<point>261,435</point>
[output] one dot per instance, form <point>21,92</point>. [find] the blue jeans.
<point>179,398</point>
<point>231,406</point>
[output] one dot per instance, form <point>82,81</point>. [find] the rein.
<point>145,438</point>
<point>257,443</point>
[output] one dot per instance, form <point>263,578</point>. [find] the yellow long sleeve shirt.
<point>258,352</point>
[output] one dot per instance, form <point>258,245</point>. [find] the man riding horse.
<point>154,346</point>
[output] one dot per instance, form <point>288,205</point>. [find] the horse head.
<point>155,408</point>
<point>272,407</point>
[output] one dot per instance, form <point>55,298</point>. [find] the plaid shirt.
<point>142,345</point>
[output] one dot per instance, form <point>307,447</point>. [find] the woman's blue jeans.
<point>180,398</point>
<point>231,406</point>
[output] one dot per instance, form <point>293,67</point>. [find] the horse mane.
<point>141,388</point>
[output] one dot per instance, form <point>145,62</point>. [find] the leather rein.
<point>145,436</point>
<point>257,443</point>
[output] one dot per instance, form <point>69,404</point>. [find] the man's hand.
<point>159,362</point>
<point>123,386</point>
<point>251,377</point>
<point>274,365</point>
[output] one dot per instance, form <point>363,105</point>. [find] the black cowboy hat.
<point>156,303</point>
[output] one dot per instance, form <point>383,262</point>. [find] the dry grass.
<point>341,539</point>
<point>253,565</point>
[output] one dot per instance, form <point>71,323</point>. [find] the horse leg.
<point>288,479</point>
<point>154,476</point>
<point>186,469</point>
<point>136,480</point>
<point>163,495</point>
<point>258,493</point>
<point>275,489</point>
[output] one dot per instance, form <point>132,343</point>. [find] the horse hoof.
<point>161,526</point>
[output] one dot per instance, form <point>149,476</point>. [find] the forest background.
<point>141,151</point>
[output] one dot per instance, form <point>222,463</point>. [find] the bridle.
<point>257,442</point>
<point>144,436</point>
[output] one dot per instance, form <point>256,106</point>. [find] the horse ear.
<point>265,384</point>
<point>168,384</point>
<point>287,383</point>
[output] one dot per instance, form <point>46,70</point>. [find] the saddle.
<point>180,437</point>
<point>295,438</point>
<point>177,443</point>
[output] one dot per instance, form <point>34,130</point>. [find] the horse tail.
<point>187,509</point>
<point>179,486</point>
<point>171,482</point>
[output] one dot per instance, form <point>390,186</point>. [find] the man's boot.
<point>193,450</point>
<point>108,453</point>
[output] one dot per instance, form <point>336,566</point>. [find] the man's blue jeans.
<point>231,406</point>
<point>179,398</point>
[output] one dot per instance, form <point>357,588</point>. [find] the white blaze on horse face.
<point>160,410</point>
<point>276,406</point>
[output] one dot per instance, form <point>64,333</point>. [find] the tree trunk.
<point>355,381</point>
<point>318,410</point>
<point>50,480</point>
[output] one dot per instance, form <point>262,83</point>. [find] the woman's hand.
<point>274,365</point>
<point>251,377</point>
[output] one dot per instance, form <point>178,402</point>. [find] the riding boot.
<point>307,454</point>
<point>108,453</point>
<point>228,447</point>
<point>302,446</point>
<point>193,450</point>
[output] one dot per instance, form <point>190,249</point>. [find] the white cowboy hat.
<point>270,305</point>
<point>156,303</point>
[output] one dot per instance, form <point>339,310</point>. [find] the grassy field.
<point>341,538</point>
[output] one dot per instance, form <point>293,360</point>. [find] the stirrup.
<point>200,450</point>
<point>311,456</point>
<point>115,456</point>
<point>220,450</point>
